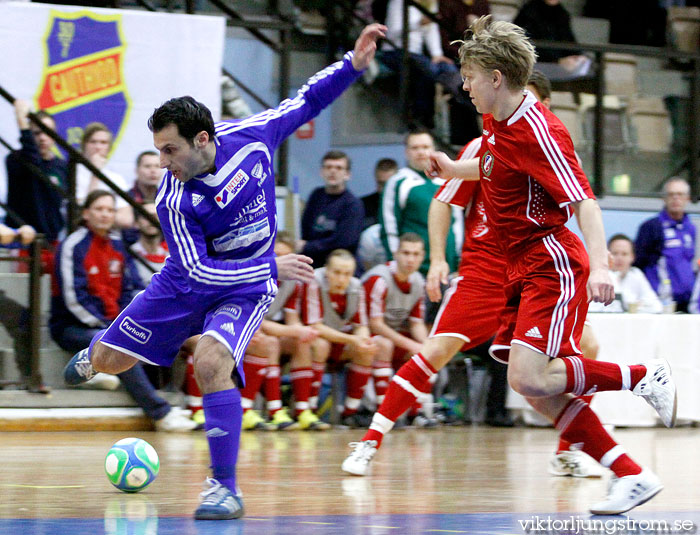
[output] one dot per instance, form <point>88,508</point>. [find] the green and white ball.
<point>131,464</point>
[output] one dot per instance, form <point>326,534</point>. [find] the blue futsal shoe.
<point>218,503</point>
<point>79,369</point>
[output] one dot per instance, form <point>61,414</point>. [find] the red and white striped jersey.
<point>529,175</point>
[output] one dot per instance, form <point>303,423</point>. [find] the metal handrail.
<point>34,261</point>
<point>78,157</point>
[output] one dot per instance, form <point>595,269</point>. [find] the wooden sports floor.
<point>475,480</point>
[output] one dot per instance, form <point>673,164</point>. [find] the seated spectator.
<point>150,246</point>
<point>344,333</point>
<point>426,70</point>
<point>665,245</point>
<point>332,218</point>
<point>633,293</point>
<point>31,198</point>
<point>95,279</point>
<point>96,144</point>
<point>148,177</point>
<point>548,20</point>
<point>383,171</point>
<point>406,200</point>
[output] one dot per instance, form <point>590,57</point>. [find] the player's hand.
<point>600,287</point>
<point>22,113</point>
<point>437,275</point>
<point>26,234</point>
<point>295,267</point>
<point>415,347</point>
<point>366,45</point>
<point>7,234</point>
<point>305,334</point>
<point>440,166</point>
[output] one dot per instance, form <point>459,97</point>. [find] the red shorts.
<point>472,305</point>
<point>546,300</point>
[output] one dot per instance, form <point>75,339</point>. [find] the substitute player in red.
<point>532,184</point>
<point>396,311</point>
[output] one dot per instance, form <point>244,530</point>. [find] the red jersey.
<point>480,245</point>
<point>377,295</point>
<point>529,175</point>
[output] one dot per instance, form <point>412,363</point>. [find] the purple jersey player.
<point>216,205</point>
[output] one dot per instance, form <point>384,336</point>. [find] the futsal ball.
<point>131,464</point>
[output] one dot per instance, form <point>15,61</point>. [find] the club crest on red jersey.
<point>83,76</point>
<point>487,161</point>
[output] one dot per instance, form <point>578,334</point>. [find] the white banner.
<point>113,66</point>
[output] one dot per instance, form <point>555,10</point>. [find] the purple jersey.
<point>220,228</point>
<point>219,279</point>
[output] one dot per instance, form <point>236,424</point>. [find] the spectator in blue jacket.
<point>333,216</point>
<point>665,245</point>
<point>95,279</point>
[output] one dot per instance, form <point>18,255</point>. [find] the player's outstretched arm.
<point>295,267</point>
<point>366,45</point>
<point>441,165</point>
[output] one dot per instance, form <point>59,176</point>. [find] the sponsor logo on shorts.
<point>232,188</point>
<point>487,162</point>
<point>135,331</point>
<point>229,327</point>
<point>233,311</point>
<point>534,333</point>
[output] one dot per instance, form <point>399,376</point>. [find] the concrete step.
<point>76,409</point>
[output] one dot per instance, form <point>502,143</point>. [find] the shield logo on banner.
<point>83,79</point>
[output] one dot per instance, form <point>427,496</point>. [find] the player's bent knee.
<point>108,360</point>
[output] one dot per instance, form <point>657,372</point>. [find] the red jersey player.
<point>344,334</point>
<point>396,311</point>
<point>532,184</point>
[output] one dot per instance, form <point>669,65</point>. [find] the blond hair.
<point>499,46</point>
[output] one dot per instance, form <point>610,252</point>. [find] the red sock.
<point>381,372</point>
<point>318,368</point>
<point>355,386</point>
<point>301,388</point>
<point>273,392</point>
<point>254,370</point>
<point>403,390</point>
<point>586,376</point>
<point>578,424</point>
<point>191,388</point>
<point>564,445</point>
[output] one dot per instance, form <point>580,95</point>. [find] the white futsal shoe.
<point>625,493</point>
<point>659,390</point>
<point>357,463</point>
<point>574,463</point>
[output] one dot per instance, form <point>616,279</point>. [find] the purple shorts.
<point>158,320</point>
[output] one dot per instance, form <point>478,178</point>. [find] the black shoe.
<point>500,420</point>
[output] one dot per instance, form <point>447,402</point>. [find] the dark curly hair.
<point>189,116</point>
